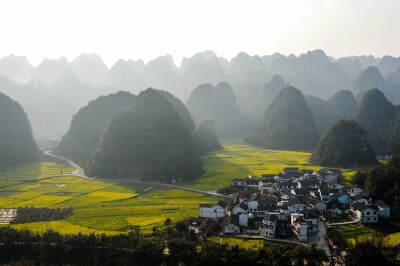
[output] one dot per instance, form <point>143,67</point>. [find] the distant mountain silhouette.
<point>388,64</point>
<point>161,73</point>
<point>344,145</point>
<point>287,124</point>
<point>148,141</point>
<point>122,76</point>
<point>16,68</point>
<point>313,73</point>
<point>342,105</point>
<point>268,92</point>
<point>90,69</point>
<point>371,78</point>
<point>218,104</point>
<point>50,70</point>
<point>16,142</point>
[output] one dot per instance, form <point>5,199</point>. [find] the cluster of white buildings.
<point>290,203</point>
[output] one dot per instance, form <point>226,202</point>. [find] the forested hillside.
<point>17,145</point>
<point>148,141</point>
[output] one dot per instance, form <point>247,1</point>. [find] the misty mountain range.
<point>56,89</point>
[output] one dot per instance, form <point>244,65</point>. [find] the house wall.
<point>231,229</point>
<point>384,212</point>
<point>213,212</point>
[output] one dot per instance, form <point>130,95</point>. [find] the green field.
<point>387,229</point>
<point>239,160</point>
<point>99,207</point>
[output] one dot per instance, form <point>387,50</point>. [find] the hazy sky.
<point>148,28</point>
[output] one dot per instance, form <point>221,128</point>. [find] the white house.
<point>240,208</point>
<point>252,183</point>
<point>216,210</point>
<point>244,218</point>
<point>312,220</point>
<point>335,185</point>
<point>297,204</point>
<point>316,204</point>
<point>383,209</point>
<point>269,225</point>
<point>355,190</point>
<point>360,198</point>
<point>231,225</point>
<point>239,182</point>
<point>343,198</point>
<point>365,214</point>
<point>299,226</point>
<point>290,170</point>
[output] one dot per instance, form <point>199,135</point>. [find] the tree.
<point>181,226</point>
<point>167,222</point>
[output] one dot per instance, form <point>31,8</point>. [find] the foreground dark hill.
<point>344,145</point>
<point>16,142</point>
<point>218,104</point>
<point>342,105</point>
<point>147,141</point>
<point>374,115</point>
<point>83,136</point>
<point>287,124</point>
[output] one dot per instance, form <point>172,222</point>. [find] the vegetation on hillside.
<point>148,141</point>
<point>17,145</point>
<point>206,137</point>
<point>375,115</point>
<point>344,145</point>
<point>287,124</point>
<point>83,136</point>
<point>342,105</point>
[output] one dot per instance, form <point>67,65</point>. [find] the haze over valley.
<point>200,132</point>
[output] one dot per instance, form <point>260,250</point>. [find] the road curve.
<point>80,173</point>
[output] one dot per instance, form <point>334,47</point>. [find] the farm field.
<point>389,230</point>
<point>238,160</point>
<point>110,207</point>
<point>99,207</point>
<point>247,243</point>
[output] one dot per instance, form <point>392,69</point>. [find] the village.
<point>287,205</point>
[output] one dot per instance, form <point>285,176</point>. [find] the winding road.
<point>79,172</point>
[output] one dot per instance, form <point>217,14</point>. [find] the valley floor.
<point>114,207</point>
